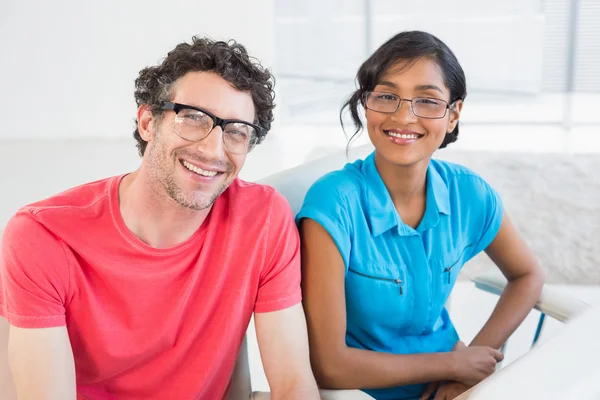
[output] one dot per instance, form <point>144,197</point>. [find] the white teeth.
<point>199,171</point>
<point>404,135</point>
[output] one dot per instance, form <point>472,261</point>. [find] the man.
<point>141,286</point>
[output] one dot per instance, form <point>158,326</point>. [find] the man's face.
<point>194,174</point>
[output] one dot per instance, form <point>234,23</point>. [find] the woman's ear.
<point>454,111</point>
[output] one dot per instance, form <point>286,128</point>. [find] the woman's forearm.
<point>516,301</point>
<point>357,368</point>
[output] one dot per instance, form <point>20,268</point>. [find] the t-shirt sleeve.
<point>279,285</point>
<point>34,274</point>
<point>325,205</point>
<point>490,214</point>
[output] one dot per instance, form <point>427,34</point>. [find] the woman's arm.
<point>525,280</point>
<point>337,366</point>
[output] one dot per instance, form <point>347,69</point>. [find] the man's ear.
<point>454,115</point>
<point>145,121</point>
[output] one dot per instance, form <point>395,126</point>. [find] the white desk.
<point>563,367</point>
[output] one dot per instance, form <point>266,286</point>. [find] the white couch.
<point>294,183</point>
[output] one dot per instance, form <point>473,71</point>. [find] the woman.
<point>384,239</point>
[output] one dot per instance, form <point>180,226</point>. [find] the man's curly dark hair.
<point>230,60</point>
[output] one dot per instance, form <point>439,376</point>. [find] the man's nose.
<point>213,143</point>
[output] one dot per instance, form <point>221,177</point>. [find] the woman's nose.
<point>404,113</point>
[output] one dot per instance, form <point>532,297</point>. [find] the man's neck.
<point>152,216</point>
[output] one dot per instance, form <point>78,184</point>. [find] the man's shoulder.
<point>66,207</point>
<point>256,201</point>
<point>76,196</point>
<point>242,188</point>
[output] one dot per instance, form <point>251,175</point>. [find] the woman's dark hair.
<point>229,60</point>
<point>408,47</point>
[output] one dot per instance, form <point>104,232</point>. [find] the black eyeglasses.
<point>389,103</point>
<point>194,124</point>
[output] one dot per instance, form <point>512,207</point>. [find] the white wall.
<point>67,67</point>
<point>499,43</point>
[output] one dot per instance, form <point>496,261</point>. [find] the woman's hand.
<point>450,390</point>
<point>431,388</point>
<point>474,364</point>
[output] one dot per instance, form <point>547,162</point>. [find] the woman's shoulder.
<point>454,174</point>
<point>465,184</point>
<point>346,181</point>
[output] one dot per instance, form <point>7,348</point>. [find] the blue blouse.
<point>398,278</point>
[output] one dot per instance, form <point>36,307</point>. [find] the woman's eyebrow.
<point>388,84</point>
<point>420,88</point>
<point>423,88</point>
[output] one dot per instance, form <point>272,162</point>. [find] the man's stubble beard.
<point>162,170</point>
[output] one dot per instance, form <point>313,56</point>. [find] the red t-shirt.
<point>148,323</point>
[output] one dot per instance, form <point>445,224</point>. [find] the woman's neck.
<point>407,186</point>
<point>403,182</point>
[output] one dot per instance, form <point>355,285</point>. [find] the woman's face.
<point>402,138</point>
